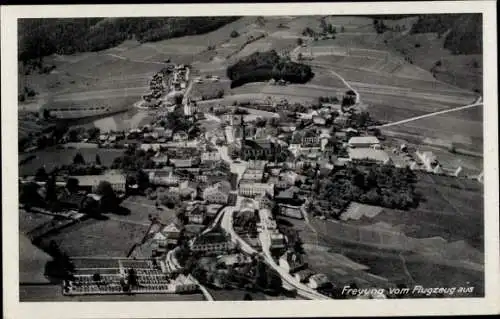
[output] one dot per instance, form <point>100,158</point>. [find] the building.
<point>172,233</point>
<point>277,240</point>
<point>265,201</point>
<point>180,136</point>
<point>164,178</point>
<point>289,196</point>
<point>364,142</point>
<point>368,155</point>
<point>252,189</point>
<point>318,281</point>
<point>160,159</point>
<point>257,164</point>
<point>183,284</point>
<point>290,211</point>
<point>185,162</point>
<point>234,260</point>
<point>428,159</point>
<point>90,182</point>
<point>211,156</point>
<point>217,193</point>
<point>254,175</point>
<point>291,262</point>
<point>197,215</point>
<point>211,242</point>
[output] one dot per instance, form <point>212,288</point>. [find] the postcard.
<point>297,159</point>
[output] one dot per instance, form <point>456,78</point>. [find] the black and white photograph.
<point>239,157</point>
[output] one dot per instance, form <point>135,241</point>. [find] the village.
<point>226,173</point>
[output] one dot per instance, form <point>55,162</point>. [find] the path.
<point>134,60</point>
<point>429,115</point>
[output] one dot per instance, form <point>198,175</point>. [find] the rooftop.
<point>364,140</point>
<point>368,154</point>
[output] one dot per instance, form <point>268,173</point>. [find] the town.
<point>229,191</point>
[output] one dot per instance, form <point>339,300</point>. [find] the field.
<point>141,207</point>
<point>32,262</point>
<point>52,157</point>
<point>87,238</point>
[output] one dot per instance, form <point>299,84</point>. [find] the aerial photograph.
<point>228,158</point>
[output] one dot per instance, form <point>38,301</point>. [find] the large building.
<point>218,193</point>
<point>252,189</point>
<point>364,142</point>
<point>211,242</point>
<point>117,181</point>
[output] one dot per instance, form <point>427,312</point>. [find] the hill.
<point>42,37</point>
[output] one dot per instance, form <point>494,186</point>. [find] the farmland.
<point>54,157</point>
<point>86,238</point>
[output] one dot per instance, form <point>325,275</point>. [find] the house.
<point>303,275</point>
<point>265,201</point>
<point>90,182</point>
<point>290,211</point>
<point>211,242</point>
<point>368,155</point>
<point>428,159</point>
<point>252,189</point>
<point>210,156</point>
<point>364,142</point>
<point>185,162</point>
<point>289,196</point>
<point>71,201</point>
<point>172,234</point>
<point>183,284</point>
<point>217,193</point>
<point>164,178</point>
<point>319,120</point>
<point>160,159</point>
<point>277,240</point>
<point>255,175</point>
<point>256,164</point>
<point>232,198</point>
<point>291,262</point>
<point>234,260</point>
<point>197,215</point>
<point>180,136</point>
<point>318,281</point>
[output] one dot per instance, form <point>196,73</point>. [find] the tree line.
<point>42,37</point>
<point>264,66</point>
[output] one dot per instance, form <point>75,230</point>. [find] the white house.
<point>364,142</point>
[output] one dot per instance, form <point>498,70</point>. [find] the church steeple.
<point>244,135</point>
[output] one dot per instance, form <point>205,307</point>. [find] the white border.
<point>14,309</point>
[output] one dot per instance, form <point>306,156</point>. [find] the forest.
<point>463,31</point>
<point>42,37</point>
<point>384,185</point>
<point>264,66</point>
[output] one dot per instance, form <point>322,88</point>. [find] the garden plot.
<point>87,238</point>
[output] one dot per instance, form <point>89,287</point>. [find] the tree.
<point>234,34</point>
<point>78,159</point>
<point>300,41</point>
<point>98,159</point>
<point>109,201</point>
<point>41,175</point>
<point>96,277</point>
<point>50,189</point>
<point>72,185</point>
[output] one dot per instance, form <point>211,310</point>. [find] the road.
<point>302,290</point>
<point>428,115</point>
